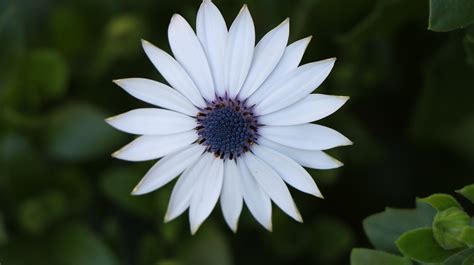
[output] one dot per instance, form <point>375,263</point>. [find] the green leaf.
<point>36,214</point>
<point>77,245</point>
<point>336,239</point>
<point>469,48</point>
<point>361,256</point>
<point>467,192</point>
<point>420,245</point>
<point>467,236</point>
<point>117,183</point>
<point>46,76</point>
<point>448,225</point>
<point>3,232</point>
<point>449,15</point>
<point>464,257</point>
<point>207,247</point>
<point>78,132</point>
<point>441,201</point>
<point>452,126</point>
<point>384,228</point>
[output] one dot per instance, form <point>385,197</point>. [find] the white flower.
<point>235,122</point>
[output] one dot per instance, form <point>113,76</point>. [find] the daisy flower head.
<point>234,121</point>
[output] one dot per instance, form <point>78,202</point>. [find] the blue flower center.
<point>227,128</point>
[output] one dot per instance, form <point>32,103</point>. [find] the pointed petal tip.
<point>116,154</point>
<point>194,229</point>
<point>234,229</point>
<point>136,191</point>
<point>243,9</point>
<point>167,218</point>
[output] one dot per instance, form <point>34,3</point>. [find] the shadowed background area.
<point>64,200</point>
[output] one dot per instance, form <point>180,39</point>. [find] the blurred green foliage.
<point>64,200</point>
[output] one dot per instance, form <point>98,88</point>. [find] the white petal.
<point>239,51</point>
<point>312,108</point>
<point>266,56</point>
<point>188,52</point>
<point>183,189</point>
<point>205,194</point>
<point>174,74</point>
<point>157,94</point>
<point>231,197</point>
<point>257,201</point>
<point>152,121</point>
<point>272,185</point>
<point>296,85</point>
<point>150,147</point>
<point>167,168</point>
<point>290,171</point>
<point>212,32</point>
<point>308,158</point>
<point>305,136</point>
<point>289,61</point>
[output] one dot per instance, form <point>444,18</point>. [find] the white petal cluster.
<point>217,61</point>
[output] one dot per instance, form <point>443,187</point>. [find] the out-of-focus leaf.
<point>384,228</point>
<point>464,257</point>
<point>450,15</point>
<point>441,201</point>
<point>420,245</point>
<point>18,180</point>
<point>127,30</point>
<point>3,232</point>
<point>117,184</point>
<point>467,236</point>
<point>12,51</point>
<point>46,76</point>
<point>469,48</point>
<point>468,192</point>
<point>207,247</point>
<point>335,238</point>
<point>361,256</point>
<point>77,245</point>
<point>447,118</point>
<point>78,132</point>
<point>384,20</point>
<point>37,213</point>
<point>149,250</point>
<point>69,30</point>
<point>448,226</point>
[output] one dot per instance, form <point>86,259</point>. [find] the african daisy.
<point>234,122</point>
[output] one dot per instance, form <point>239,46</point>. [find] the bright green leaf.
<point>464,257</point>
<point>420,245</point>
<point>78,132</point>
<point>360,256</point>
<point>384,228</point>
<point>467,236</point>
<point>446,15</point>
<point>448,226</point>
<point>441,201</point>
<point>467,192</point>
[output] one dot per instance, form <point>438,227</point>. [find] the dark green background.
<point>64,200</point>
